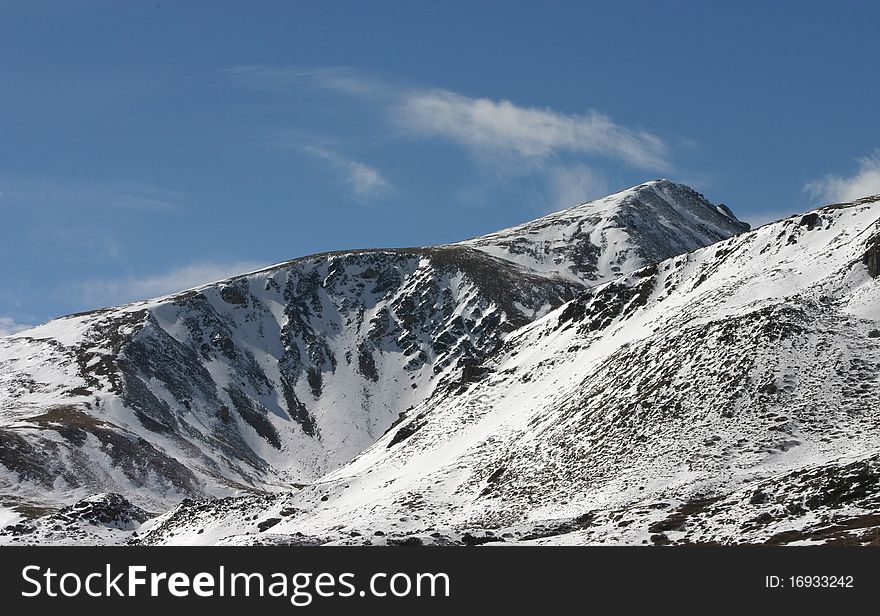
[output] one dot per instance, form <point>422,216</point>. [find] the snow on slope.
<point>272,379</point>
<point>262,381</point>
<point>725,395</point>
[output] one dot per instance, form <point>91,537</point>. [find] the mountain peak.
<point>676,193</point>
<point>598,240</point>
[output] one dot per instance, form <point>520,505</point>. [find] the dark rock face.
<point>65,429</point>
<point>872,256</point>
<point>235,293</point>
<point>406,431</point>
<point>255,416</point>
<point>810,221</point>
<point>107,511</point>
<point>267,524</point>
<point>597,309</point>
<point>367,364</point>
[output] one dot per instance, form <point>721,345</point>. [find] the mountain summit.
<point>601,239</point>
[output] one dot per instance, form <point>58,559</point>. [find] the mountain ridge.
<point>263,380</point>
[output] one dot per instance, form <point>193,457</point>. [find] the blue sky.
<point>150,146</point>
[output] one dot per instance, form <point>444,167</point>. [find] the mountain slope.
<point>725,395</point>
<point>266,379</point>
<point>274,378</point>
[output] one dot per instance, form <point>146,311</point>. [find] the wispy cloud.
<point>863,183</point>
<point>499,132</point>
<point>489,127</point>
<point>574,184</point>
<point>54,191</point>
<point>337,78</point>
<point>108,292</point>
<point>8,326</point>
<point>365,181</point>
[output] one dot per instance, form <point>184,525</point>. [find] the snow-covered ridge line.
<point>565,228</point>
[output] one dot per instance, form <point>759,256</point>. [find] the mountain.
<point>725,395</point>
<point>272,379</point>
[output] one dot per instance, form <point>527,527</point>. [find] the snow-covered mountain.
<point>273,379</point>
<point>729,394</point>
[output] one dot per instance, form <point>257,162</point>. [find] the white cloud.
<point>490,127</point>
<point>561,154</point>
<point>365,181</point>
<point>110,292</point>
<point>574,184</point>
<point>863,183</point>
<point>8,326</point>
<point>498,131</point>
